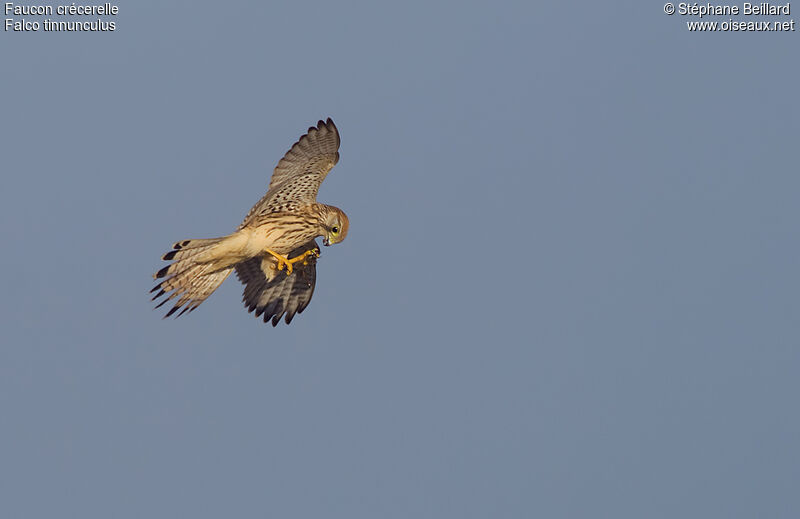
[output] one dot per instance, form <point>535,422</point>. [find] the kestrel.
<point>274,250</point>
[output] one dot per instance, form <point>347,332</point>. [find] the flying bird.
<point>274,251</point>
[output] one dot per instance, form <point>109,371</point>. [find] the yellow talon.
<point>283,261</point>
<point>304,256</point>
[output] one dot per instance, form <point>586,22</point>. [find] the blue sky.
<point>569,287</point>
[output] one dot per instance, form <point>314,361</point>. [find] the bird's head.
<point>335,225</point>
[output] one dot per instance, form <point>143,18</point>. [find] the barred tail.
<point>198,268</point>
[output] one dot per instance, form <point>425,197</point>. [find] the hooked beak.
<point>325,241</point>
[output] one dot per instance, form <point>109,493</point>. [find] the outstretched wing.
<point>315,153</point>
<point>271,292</point>
<point>297,177</point>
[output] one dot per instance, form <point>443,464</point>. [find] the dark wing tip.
<point>327,124</point>
<point>331,127</point>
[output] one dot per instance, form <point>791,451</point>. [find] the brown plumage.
<point>274,250</point>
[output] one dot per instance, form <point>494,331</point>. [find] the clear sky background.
<point>570,287</point>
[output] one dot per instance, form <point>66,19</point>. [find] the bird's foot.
<point>283,261</point>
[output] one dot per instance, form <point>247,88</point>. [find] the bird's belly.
<point>276,240</point>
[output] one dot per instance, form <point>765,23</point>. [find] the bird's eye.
<point>335,230</point>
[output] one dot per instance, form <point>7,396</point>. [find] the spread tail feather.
<point>198,267</point>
